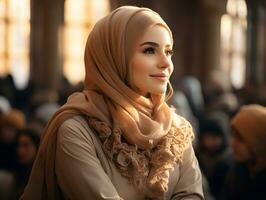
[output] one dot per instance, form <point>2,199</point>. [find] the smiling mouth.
<point>160,77</point>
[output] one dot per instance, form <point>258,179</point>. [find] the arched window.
<point>80,16</point>
<point>14,40</point>
<point>233,41</point>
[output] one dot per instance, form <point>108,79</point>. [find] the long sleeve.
<point>78,170</point>
<point>189,186</point>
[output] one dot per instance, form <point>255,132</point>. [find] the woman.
<point>246,180</point>
<point>10,123</point>
<point>213,152</point>
<point>27,143</point>
<point>118,139</point>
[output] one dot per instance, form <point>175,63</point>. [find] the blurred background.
<point>219,59</point>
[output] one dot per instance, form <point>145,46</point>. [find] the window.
<point>80,16</point>
<point>233,41</point>
<point>14,40</point>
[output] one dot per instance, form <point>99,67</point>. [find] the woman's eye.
<point>149,50</point>
<point>169,52</point>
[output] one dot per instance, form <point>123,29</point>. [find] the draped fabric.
<point>140,134</point>
<point>250,123</point>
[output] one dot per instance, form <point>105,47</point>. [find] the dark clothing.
<point>215,168</point>
<point>22,175</point>
<point>7,157</point>
<point>215,163</point>
<point>239,184</point>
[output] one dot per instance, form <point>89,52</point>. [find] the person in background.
<point>213,152</point>
<point>10,123</point>
<point>246,180</point>
<point>27,144</point>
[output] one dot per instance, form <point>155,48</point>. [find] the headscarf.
<point>155,138</point>
<point>250,123</point>
<point>14,118</point>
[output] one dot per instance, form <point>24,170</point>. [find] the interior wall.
<point>196,29</point>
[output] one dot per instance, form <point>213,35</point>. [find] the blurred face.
<point>151,63</point>
<point>211,142</point>
<point>240,149</point>
<point>7,134</point>
<point>26,150</point>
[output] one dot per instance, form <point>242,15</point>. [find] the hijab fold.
<point>144,130</point>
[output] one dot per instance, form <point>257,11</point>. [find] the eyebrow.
<point>150,43</point>
<point>153,44</point>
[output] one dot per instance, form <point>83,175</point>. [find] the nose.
<point>165,61</point>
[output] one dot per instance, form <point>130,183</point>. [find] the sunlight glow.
<point>233,41</point>
<point>226,27</point>
<point>80,16</point>
<point>14,36</point>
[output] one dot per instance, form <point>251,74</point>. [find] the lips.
<point>160,76</point>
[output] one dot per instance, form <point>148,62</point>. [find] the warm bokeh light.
<point>231,7</point>
<point>242,9</point>
<point>18,40</point>
<point>80,16</point>
<point>19,70</point>
<point>18,10</point>
<point>2,8</point>
<point>14,36</point>
<point>226,27</point>
<point>2,67</point>
<point>238,71</point>
<point>2,38</point>
<point>78,35</point>
<point>238,38</point>
<point>75,70</point>
<point>233,41</point>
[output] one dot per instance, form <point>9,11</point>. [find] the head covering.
<point>32,134</point>
<point>216,123</point>
<point>14,118</point>
<point>115,110</point>
<point>250,123</point>
<point>107,63</point>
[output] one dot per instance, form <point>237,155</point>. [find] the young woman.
<point>118,139</point>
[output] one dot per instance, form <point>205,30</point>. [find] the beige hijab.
<point>143,131</point>
<point>250,123</point>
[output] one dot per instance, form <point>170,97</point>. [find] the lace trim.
<point>148,170</point>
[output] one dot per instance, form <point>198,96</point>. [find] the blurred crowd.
<point>229,125</point>
<point>23,116</point>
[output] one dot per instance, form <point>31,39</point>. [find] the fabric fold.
<point>142,135</point>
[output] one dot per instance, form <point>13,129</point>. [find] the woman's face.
<point>26,150</point>
<point>239,147</point>
<point>151,62</point>
<point>211,142</point>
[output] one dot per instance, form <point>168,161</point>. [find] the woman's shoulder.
<point>74,121</point>
<point>75,127</point>
<point>181,122</point>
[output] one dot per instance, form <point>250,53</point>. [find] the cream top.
<point>84,172</point>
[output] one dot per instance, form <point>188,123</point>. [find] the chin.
<point>158,92</point>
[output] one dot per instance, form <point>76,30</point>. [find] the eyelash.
<point>151,50</point>
<point>170,52</point>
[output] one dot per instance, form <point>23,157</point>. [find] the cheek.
<point>241,151</point>
<point>171,68</point>
<point>141,66</point>
<point>140,70</point>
